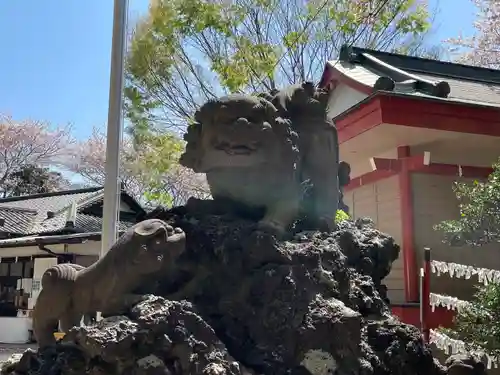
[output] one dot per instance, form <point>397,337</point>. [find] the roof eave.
<point>419,64</point>
<point>131,201</point>
<point>359,104</point>
<point>332,74</point>
<point>380,93</point>
<point>74,238</point>
<point>51,194</point>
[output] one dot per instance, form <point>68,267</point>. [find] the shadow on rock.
<point>464,364</point>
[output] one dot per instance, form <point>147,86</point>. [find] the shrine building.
<point>410,127</point>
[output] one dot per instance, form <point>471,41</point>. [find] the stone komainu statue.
<point>277,151</point>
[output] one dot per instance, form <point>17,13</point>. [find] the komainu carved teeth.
<point>222,146</point>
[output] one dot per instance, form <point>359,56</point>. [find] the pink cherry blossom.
<point>483,48</point>
<point>89,157</point>
<point>30,142</point>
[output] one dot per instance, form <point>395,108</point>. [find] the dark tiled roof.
<point>92,223</point>
<point>420,77</point>
<point>470,91</point>
<point>17,219</point>
<point>50,202</point>
<point>28,215</point>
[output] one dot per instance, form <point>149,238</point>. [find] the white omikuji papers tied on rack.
<point>451,303</point>
<point>441,340</point>
<point>453,346</point>
<point>484,275</point>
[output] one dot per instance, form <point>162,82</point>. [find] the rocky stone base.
<point>257,305</point>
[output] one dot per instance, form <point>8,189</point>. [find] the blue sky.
<point>55,60</point>
<point>55,56</point>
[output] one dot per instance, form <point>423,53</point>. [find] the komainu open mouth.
<point>237,149</point>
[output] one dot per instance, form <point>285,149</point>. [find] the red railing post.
<point>425,306</point>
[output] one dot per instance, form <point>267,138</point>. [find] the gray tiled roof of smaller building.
<point>467,84</point>
<point>94,224</point>
<point>28,215</point>
<point>17,219</point>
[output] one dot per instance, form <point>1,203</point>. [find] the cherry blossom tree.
<point>148,170</point>
<point>483,48</point>
<point>182,53</point>
<point>89,157</point>
<point>177,186</point>
<point>30,179</point>
<point>30,143</point>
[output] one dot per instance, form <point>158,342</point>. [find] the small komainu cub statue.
<point>70,292</point>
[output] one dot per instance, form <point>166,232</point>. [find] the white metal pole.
<point>115,126</point>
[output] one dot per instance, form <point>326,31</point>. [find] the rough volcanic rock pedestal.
<point>464,364</point>
<point>238,301</point>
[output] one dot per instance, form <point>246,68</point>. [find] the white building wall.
<point>342,98</point>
